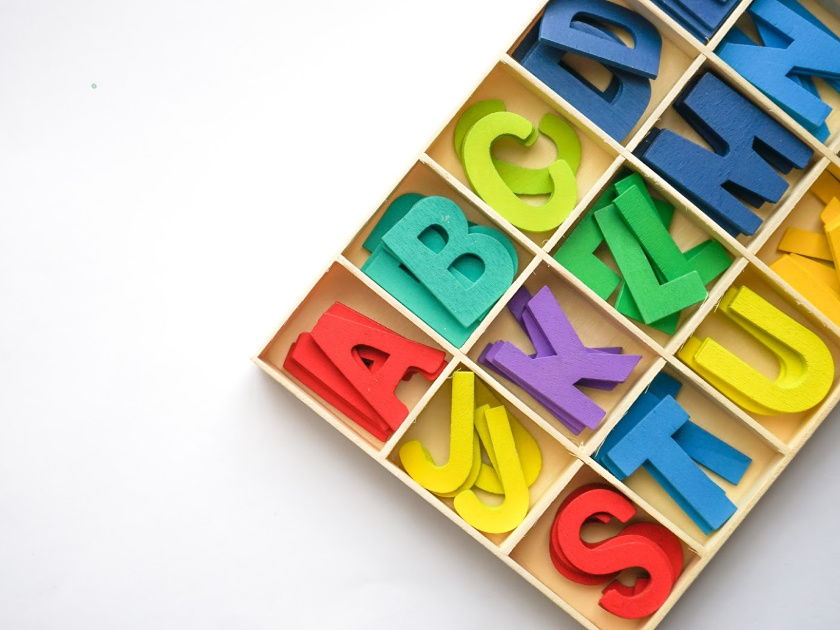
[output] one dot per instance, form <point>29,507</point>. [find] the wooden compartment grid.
<point>771,441</point>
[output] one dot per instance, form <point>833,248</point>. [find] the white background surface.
<point>154,231</point>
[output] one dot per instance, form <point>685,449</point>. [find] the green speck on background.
<point>93,85</point>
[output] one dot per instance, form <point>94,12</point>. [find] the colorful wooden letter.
<point>617,109</point>
<point>522,180</point>
<point>447,271</point>
<point>505,517</point>
<point>806,367</point>
<point>462,446</point>
<point>653,300</point>
<point>491,187</point>
<point>703,501</point>
<point>339,337</point>
<point>805,243</point>
<point>561,365</point>
<point>530,457</point>
<point>355,363</point>
<point>466,301</point>
<point>567,24</point>
<point>804,49</point>
<point>646,545</point>
<point>747,145</point>
<point>644,252</point>
<point>700,17</point>
<point>388,272</point>
<point>651,441</point>
<point>577,254</point>
<point>308,364</point>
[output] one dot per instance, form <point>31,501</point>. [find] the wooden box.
<point>770,441</point>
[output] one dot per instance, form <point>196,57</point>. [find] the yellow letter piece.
<point>806,367</point>
<point>526,447</point>
<point>462,444</point>
<point>805,243</point>
<point>474,471</point>
<point>811,282</point>
<point>832,233</point>
<point>831,212</point>
<point>489,185</point>
<point>505,517</point>
<point>821,271</point>
<point>826,187</point>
